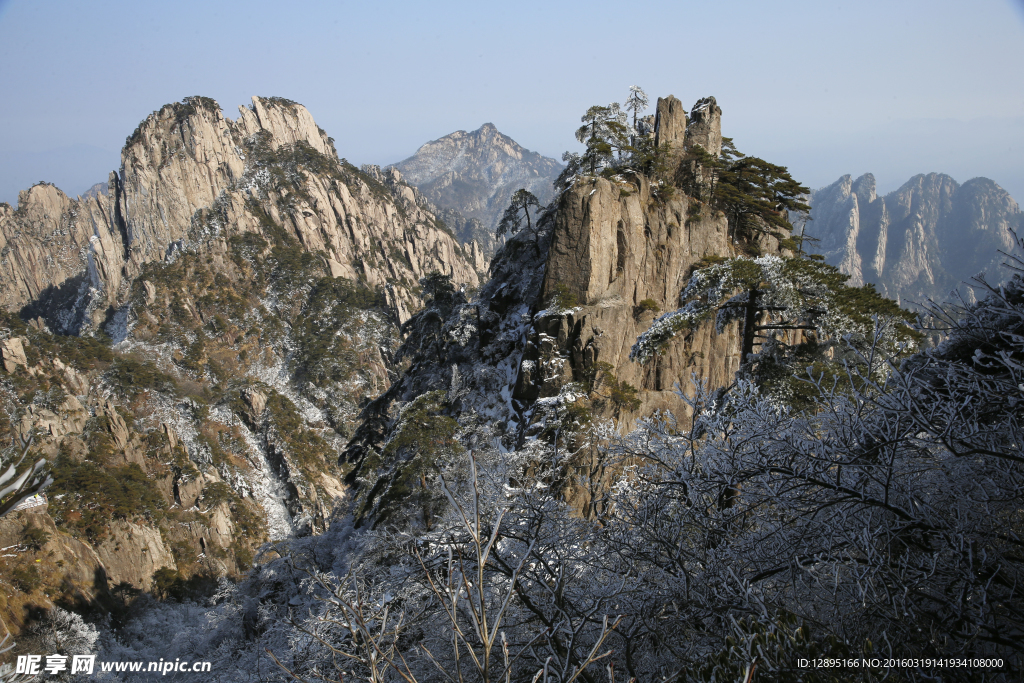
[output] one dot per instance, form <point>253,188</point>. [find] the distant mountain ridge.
<point>919,242</point>
<point>476,173</point>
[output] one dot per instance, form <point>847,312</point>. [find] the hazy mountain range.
<point>919,242</point>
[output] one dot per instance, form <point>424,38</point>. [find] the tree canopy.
<point>636,102</point>
<point>604,132</point>
<point>756,195</point>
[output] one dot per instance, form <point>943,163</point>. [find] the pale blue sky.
<point>826,88</point>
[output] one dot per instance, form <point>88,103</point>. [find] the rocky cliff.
<point>476,173</point>
<point>546,343</point>
<point>190,179</point>
<point>919,242</point>
<point>254,285</point>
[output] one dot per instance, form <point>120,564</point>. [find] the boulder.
<point>13,352</point>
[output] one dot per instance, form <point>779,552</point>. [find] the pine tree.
<point>636,102</point>
<point>756,195</point>
<point>512,219</point>
<point>603,132</point>
<point>799,311</point>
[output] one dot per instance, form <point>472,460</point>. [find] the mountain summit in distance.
<point>476,173</point>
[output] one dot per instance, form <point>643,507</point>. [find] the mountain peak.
<point>476,173</point>
<point>920,241</point>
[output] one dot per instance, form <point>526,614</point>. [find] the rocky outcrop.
<point>919,242</point>
<point>254,284</point>
<point>132,553</point>
<point>191,179</point>
<point>63,563</point>
<point>476,173</point>
<point>563,310</point>
<point>164,502</point>
<point>58,255</point>
<point>670,128</point>
<point>620,257</point>
<point>13,353</point>
<point>677,133</point>
<point>468,231</point>
<point>705,128</point>
<point>541,355</point>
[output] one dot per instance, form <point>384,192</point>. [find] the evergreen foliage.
<point>326,331</point>
<point>93,495</point>
<point>636,102</point>
<point>604,133</point>
<point>881,524</point>
<point>756,195</point>
<point>424,331</point>
<point>511,221</point>
<point>129,376</point>
<point>799,311</point>
<point>404,476</point>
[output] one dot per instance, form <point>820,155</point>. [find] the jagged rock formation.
<point>476,173</point>
<point>670,124</point>
<point>561,312</point>
<point>254,283</point>
<point>620,253</point>
<point>191,177</point>
<point>615,247</point>
<point>471,232</point>
<point>706,127</point>
<point>919,242</point>
<point>60,254</point>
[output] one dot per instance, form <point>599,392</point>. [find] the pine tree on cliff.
<point>603,132</point>
<point>518,208</point>
<point>756,195</point>
<point>799,312</point>
<point>636,102</point>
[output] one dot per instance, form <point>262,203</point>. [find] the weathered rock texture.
<point>670,127</point>
<point>254,283</point>
<point>919,242</point>
<point>190,178</point>
<point>476,173</point>
<point>705,129</point>
<point>613,248</point>
<point>568,307</point>
<point>678,133</point>
<point>555,324</point>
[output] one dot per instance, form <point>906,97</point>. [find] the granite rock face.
<point>476,173</point>
<point>567,306</point>
<point>705,128</point>
<point>919,242</point>
<point>190,179</point>
<point>553,328</point>
<point>254,284</point>
<point>670,127</point>
<point>613,250</point>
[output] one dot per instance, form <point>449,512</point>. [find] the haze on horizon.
<point>826,88</point>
